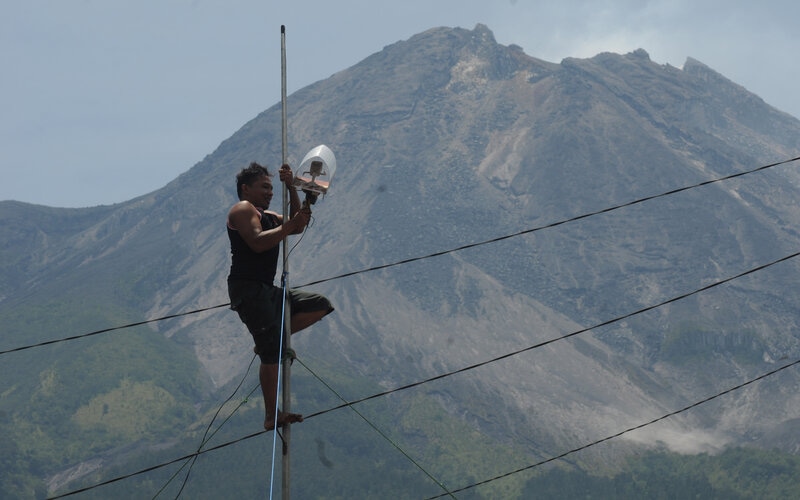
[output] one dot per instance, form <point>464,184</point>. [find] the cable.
<point>206,438</point>
<point>194,457</point>
<point>158,466</point>
<point>630,429</point>
<point>563,337</point>
<point>250,436</point>
<point>551,225</point>
<point>423,257</point>
<point>105,330</point>
<point>498,239</point>
<point>276,413</point>
<point>467,368</point>
<point>375,428</point>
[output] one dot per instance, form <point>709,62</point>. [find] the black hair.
<point>248,175</point>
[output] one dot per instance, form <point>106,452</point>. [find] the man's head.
<point>248,176</point>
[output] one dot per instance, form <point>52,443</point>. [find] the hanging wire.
<point>458,249</point>
<point>541,344</point>
<point>106,330</point>
<point>551,225</point>
<point>376,429</point>
<point>254,435</point>
<point>471,367</point>
<point>573,334</point>
<point>206,438</point>
<point>275,433</point>
<point>626,431</point>
<point>423,257</point>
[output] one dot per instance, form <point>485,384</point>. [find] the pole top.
<point>283,28</point>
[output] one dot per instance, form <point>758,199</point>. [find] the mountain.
<point>443,140</point>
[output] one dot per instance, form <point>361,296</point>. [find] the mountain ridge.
<point>448,139</point>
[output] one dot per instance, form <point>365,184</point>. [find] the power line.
<point>206,438</point>
<point>471,246</point>
<point>630,429</point>
<point>428,256</point>
<point>105,330</point>
<point>574,450</point>
<point>471,367</point>
<point>554,224</point>
<point>569,335</point>
<point>159,466</point>
<point>375,428</point>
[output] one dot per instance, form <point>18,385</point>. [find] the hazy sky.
<point>105,100</point>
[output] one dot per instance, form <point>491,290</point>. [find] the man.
<point>255,235</point>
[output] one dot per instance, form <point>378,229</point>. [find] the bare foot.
<point>283,419</point>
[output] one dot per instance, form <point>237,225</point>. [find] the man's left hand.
<point>285,174</point>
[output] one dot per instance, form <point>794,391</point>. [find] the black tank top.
<point>249,265</point>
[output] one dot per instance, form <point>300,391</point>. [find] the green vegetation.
<point>70,402</point>
<point>127,400</point>
<point>130,398</point>
<point>737,473</point>
<point>130,410</point>
<point>338,455</point>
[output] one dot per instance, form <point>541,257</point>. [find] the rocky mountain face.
<point>449,139</point>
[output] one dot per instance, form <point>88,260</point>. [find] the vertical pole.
<point>287,326</point>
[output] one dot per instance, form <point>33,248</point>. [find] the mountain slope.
<point>444,140</point>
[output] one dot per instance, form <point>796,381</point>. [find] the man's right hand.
<point>300,220</point>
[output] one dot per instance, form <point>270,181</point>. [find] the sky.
<point>106,100</point>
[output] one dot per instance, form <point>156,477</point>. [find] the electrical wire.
<point>551,225</point>
<point>641,200</point>
<point>156,467</point>
<point>471,367</point>
<point>206,438</point>
<point>594,443</point>
<point>428,256</point>
<point>376,429</point>
<point>573,334</point>
<point>276,413</point>
<point>630,429</point>
<point>105,330</point>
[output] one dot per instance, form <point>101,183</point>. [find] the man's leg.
<point>303,320</point>
<point>268,377</point>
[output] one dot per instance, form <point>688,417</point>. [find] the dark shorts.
<point>260,308</point>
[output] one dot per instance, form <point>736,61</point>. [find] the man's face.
<point>259,193</point>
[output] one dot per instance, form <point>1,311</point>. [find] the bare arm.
<point>246,220</point>
<point>287,177</point>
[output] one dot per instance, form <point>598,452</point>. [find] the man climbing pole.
<point>255,235</point>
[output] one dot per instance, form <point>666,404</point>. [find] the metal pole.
<point>287,325</point>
